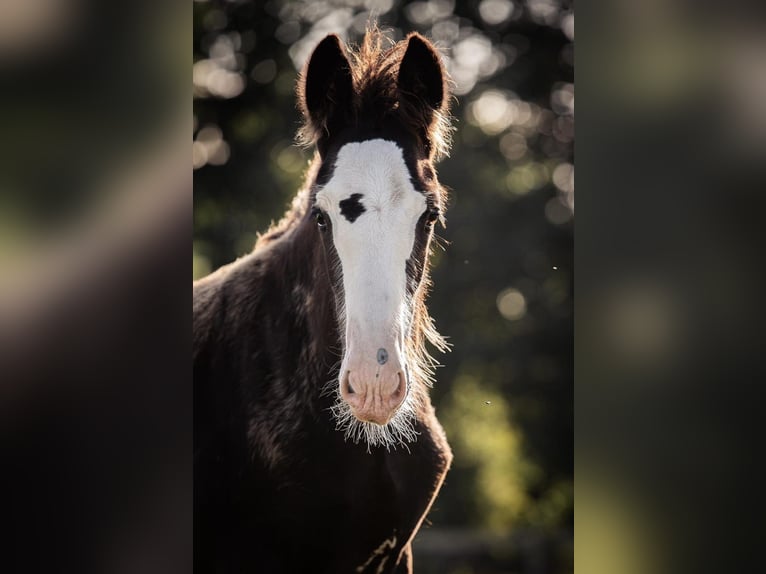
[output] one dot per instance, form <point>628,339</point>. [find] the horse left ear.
<point>421,76</point>
<point>326,87</point>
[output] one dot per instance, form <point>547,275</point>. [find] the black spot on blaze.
<point>351,208</point>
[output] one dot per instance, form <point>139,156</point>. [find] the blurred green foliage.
<point>503,285</point>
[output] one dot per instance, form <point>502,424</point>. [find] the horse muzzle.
<point>374,385</point>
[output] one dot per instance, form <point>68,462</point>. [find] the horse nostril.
<point>347,383</point>
<point>401,387</point>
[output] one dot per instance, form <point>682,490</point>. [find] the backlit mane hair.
<point>375,71</point>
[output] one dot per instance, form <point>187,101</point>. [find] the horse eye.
<point>432,216</point>
<point>319,218</point>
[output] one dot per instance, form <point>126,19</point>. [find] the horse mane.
<point>292,217</point>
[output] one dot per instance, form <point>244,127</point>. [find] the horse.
<point>316,446</point>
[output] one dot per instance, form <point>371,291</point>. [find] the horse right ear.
<point>326,87</point>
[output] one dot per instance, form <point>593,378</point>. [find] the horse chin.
<point>399,431</point>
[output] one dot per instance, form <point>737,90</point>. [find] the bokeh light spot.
<point>511,304</point>
<point>210,147</point>
<point>495,12</point>
<point>513,146</point>
<point>556,212</point>
<point>527,177</point>
<point>563,177</point>
<point>493,111</point>
<point>264,72</point>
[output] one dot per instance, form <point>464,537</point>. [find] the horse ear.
<point>421,75</point>
<point>326,89</point>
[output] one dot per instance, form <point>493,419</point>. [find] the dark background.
<point>503,284</point>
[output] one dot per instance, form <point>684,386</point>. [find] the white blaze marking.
<point>373,250</point>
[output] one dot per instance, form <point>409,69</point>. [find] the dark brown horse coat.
<point>277,488</point>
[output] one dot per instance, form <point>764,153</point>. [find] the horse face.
<point>375,202</point>
<point>375,217</point>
